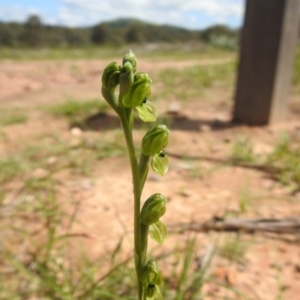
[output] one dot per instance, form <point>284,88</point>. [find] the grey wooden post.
<point>268,45</point>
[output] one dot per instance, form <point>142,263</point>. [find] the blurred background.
<point>65,185</point>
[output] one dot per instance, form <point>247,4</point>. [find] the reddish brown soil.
<point>201,182</point>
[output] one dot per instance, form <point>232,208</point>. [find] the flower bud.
<point>152,292</point>
<point>126,78</point>
<point>140,89</point>
<point>150,274</point>
<point>155,140</point>
<point>111,76</point>
<point>130,57</point>
<point>153,209</point>
<point>151,279</point>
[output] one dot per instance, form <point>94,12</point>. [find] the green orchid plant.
<point>133,92</point>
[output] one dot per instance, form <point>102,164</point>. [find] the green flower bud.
<point>111,76</point>
<point>140,90</point>
<point>153,209</point>
<point>150,274</point>
<point>151,279</point>
<point>152,292</point>
<point>155,140</point>
<point>130,57</point>
<point>126,78</point>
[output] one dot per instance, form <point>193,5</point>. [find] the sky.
<point>191,14</point>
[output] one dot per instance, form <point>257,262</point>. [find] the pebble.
<point>204,128</point>
<point>52,160</point>
<point>153,177</point>
<point>231,276</point>
<point>184,166</point>
<point>40,173</point>
<point>75,131</point>
<point>297,268</point>
<point>267,183</point>
<point>174,108</point>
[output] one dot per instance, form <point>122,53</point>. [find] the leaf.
<point>147,112</point>
<point>160,163</point>
<point>158,232</point>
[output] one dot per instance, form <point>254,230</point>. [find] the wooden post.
<point>268,46</point>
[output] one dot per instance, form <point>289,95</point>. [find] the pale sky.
<point>191,14</point>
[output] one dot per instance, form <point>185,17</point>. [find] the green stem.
<point>144,168</point>
<point>137,190</point>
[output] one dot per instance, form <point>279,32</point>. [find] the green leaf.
<point>147,112</point>
<point>160,163</point>
<point>158,232</point>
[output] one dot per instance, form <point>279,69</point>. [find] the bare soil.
<point>202,182</point>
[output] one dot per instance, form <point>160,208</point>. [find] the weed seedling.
<point>133,92</point>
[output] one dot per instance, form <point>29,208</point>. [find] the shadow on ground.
<point>103,121</point>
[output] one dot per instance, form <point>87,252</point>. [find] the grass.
<point>244,201</point>
<point>77,111</point>
<point>233,249</point>
<point>285,160</point>
<point>10,167</point>
<point>188,82</point>
<point>80,159</point>
<point>242,151</point>
<point>11,115</point>
<point>157,51</point>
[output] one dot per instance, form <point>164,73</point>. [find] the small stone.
<point>40,174</point>
<point>220,273</point>
<point>75,131</point>
<point>297,195</point>
<point>186,193</point>
<point>267,183</point>
<point>204,128</point>
<point>86,184</point>
<point>153,177</point>
<point>52,160</point>
<point>231,277</point>
<point>174,109</point>
<point>184,166</point>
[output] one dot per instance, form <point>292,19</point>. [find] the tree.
<point>33,32</point>
<point>100,34</point>
<point>134,34</point>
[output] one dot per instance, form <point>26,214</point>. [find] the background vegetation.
<point>33,33</point>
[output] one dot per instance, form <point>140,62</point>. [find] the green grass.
<point>160,52</point>
<point>188,82</point>
<point>242,151</point>
<point>11,115</point>
<point>285,160</point>
<point>59,53</point>
<point>77,111</point>
<point>80,159</point>
<point>10,167</point>
<point>233,249</point>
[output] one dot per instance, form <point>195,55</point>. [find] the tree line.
<point>33,33</point>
